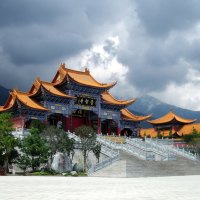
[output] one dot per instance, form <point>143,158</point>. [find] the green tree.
<point>65,144</point>
<point>97,151</point>
<point>88,141</point>
<point>34,150</point>
<point>195,132</point>
<point>23,162</point>
<point>7,141</point>
<point>190,138</point>
<point>58,140</point>
<point>159,135</point>
<point>50,134</point>
<point>170,133</point>
<point>38,124</point>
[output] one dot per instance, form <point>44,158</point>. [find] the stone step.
<point>131,166</point>
<point>117,169</point>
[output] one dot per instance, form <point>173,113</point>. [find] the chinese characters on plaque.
<point>85,101</point>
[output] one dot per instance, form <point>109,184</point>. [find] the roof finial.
<point>38,78</point>
<point>87,70</point>
<point>15,89</point>
<point>62,65</point>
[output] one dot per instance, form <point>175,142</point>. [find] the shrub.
<point>38,125</point>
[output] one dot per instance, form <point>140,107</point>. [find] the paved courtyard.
<point>86,188</point>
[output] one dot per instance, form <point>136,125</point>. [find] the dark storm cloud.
<point>22,12</point>
<point>160,49</point>
<point>34,35</point>
<point>157,64</point>
<point>159,17</point>
<point>41,47</point>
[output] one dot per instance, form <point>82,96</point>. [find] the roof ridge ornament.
<point>87,70</point>
<point>38,78</point>
<point>62,65</point>
<point>15,90</point>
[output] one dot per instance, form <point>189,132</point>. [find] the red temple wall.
<point>67,124</point>
<point>76,122</point>
<point>18,122</point>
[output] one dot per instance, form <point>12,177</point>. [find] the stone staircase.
<point>131,166</point>
<point>132,160</point>
<point>145,150</point>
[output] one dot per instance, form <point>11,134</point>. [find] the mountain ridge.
<point>150,105</point>
<point>4,93</point>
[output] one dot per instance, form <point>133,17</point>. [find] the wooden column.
<point>99,125</point>
<point>118,131</point>
<point>108,125</point>
<point>71,123</point>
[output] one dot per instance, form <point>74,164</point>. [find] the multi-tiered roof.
<point>83,78</point>
<point>64,75</point>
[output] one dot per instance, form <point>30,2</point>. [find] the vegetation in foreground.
<point>38,148</point>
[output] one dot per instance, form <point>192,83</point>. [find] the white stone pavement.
<point>82,188</point>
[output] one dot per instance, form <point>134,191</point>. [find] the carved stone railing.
<point>74,136</point>
<point>161,148</point>
<point>108,151</point>
<point>167,145</point>
<point>137,150</point>
<point>145,149</point>
<point>111,153</point>
<point>184,153</point>
<point>20,132</point>
<point>103,164</point>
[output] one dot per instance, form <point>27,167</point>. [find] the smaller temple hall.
<point>170,125</point>
<point>73,98</point>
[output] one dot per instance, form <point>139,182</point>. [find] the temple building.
<point>170,125</point>
<point>73,98</point>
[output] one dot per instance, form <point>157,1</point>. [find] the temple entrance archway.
<point>109,126</point>
<point>126,132</point>
<point>27,123</point>
<point>82,117</point>
<point>58,120</point>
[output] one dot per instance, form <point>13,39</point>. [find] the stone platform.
<point>92,188</point>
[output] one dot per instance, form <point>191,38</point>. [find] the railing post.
<point>145,149</point>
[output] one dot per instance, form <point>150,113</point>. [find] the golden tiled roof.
<point>24,98</point>
<point>11,101</point>
<point>127,115</point>
<point>108,98</point>
<point>170,117</point>
<point>49,87</point>
<point>83,78</point>
<point>2,108</point>
<point>188,128</point>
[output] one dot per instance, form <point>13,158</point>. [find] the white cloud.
<point>186,95</point>
<point>148,47</point>
<point>104,66</point>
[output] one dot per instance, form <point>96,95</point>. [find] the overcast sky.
<point>148,46</point>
